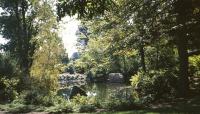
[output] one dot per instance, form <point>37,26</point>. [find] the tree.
<point>16,23</point>
<point>174,19</point>
<point>185,16</point>
<point>84,8</point>
<point>30,27</point>
<point>47,58</point>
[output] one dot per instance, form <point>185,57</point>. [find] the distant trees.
<point>151,28</point>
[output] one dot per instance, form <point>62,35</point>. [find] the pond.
<point>101,91</point>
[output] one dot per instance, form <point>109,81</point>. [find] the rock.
<point>115,78</point>
<point>77,90</point>
<point>100,78</point>
<point>89,77</point>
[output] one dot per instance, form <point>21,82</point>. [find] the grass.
<point>16,108</point>
<point>177,106</point>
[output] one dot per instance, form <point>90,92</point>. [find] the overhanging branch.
<point>196,52</point>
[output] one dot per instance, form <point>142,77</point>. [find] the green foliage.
<point>117,102</point>
<point>83,104</point>
<point>135,80</point>
<point>16,23</point>
<point>107,50</point>
<point>9,80</point>
<point>158,57</point>
<point>87,108</point>
<point>155,36</point>
<point>195,65</point>
<point>18,108</point>
<point>8,65</point>
<point>36,98</point>
<point>8,88</point>
<point>39,104</point>
<point>61,108</point>
<point>155,84</point>
<point>47,58</point>
<point>83,8</point>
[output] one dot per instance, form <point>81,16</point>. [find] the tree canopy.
<point>151,45</point>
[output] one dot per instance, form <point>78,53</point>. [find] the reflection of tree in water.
<point>102,91</point>
<point>105,91</point>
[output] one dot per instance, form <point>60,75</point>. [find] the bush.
<point>35,98</point>
<point>66,107</point>
<point>194,65</point>
<point>17,106</point>
<point>120,100</point>
<point>116,104</point>
<point>154,84</point>
<point>83,104</point>
<point>87,108</point>
<point>33,101</point>
<point>8,86</point>
<point>9,77</point>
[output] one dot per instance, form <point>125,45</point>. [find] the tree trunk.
<point>183,10</point>
<point>25,41</point>
<point>142,55</point>
<point>183,66</point>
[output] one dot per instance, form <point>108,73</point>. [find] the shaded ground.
<point>177,106</point>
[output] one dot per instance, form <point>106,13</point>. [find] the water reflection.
<point>101,91</point>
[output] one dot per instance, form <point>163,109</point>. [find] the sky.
<point>68,28</point>
<point>67,31</point>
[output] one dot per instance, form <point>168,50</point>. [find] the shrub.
<point>116,104</point>
<point>83,104</point>
<point>120,100</point>
<point>66,107</point>
<point>154,84</point>
<point>9,77</point>
<point>87,108</point>
<point>194,65</point>
<point>35,98</point>
<point>8,86</point>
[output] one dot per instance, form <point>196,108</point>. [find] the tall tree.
<point>184,9</point>
<point>17,27</point>
<point>47,63</point>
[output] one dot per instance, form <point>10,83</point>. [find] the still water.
<point>101,91</point>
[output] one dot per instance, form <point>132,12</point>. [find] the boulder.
<point>115,78</point>
<point>89,77</point>
<point>100,78</point>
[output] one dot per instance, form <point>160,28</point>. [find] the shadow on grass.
<point>19,108</point>
<point>179,106</point>
<point>191,105</point>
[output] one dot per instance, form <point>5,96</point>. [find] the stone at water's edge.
<point>116,78</point>
<point>66,79</point>
<point>100,78</point>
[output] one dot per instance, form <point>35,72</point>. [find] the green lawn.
<point>178,106</point>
